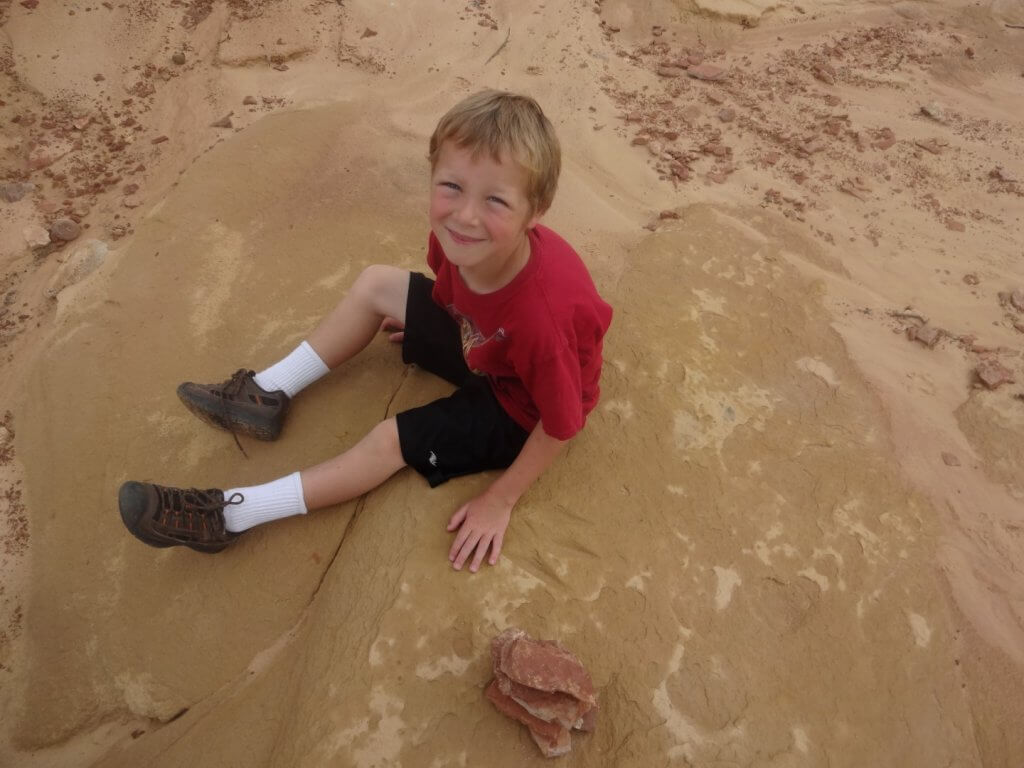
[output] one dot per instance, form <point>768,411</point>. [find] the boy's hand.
<point>481,524</point>
<point>390,324</point>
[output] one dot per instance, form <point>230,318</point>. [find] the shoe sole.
<point>243,423</point>
<point>131,503</point>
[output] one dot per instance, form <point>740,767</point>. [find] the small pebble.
<point>64,230</point>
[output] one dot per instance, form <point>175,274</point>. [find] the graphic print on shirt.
<point>472,338</point>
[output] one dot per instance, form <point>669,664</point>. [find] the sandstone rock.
<point>930,145</point>
<point>950,460</point>
<point>825,73</point>
<point>36,236</point>
<point>131,201</point>
<point>82,262</point>
<point>993,374</point>
<point>249,100</point>
<point>1017,300</point>
<point>707,72</point>
<point>934,111</point>
<point>955,226</point>
<point>98,78</point>
<point>14,191</point>
<point>668,215</point>
<point>224,122</point>
<point>971,279</point>
<point>727,115</point>
<point>669,71</point>
<point>42,157</point>
<point>178,58</point>
<point>64,230</point>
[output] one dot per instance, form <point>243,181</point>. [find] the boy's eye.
<point>449,185</point>
<point>498,200</point>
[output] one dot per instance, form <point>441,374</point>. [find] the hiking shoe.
<point>168,517</point>
<point>238,405</point>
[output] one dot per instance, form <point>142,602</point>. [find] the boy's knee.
<point>385,438</point>
<point>382,286</point>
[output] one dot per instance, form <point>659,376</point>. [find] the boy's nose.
<point>466,214</point>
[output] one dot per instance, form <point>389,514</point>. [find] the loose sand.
<point>756,545</point>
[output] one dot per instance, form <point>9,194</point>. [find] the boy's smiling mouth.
<point>462,239</point>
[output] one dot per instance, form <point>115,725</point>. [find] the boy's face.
<point>478,207</point>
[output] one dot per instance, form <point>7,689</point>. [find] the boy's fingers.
<point>481,550</point>
<point>466,550</point>
<point>397,338</point>
<point>496,549</point>
<point>458,517</point>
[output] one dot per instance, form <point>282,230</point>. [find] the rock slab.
<point>543,686</point>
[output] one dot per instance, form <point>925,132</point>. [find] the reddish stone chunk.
<point>993,374</point>
<point>707,72</point>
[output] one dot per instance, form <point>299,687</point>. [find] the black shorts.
<point>466,432</point>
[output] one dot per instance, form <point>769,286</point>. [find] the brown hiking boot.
<point>238,405</point>
<point>168,517</point>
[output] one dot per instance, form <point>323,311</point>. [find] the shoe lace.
<point>233,387</point>
<point>181,505</point>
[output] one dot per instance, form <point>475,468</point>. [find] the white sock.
<point>262,503</point>
<point>295,372</point>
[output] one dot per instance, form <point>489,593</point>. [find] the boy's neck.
<point>492,275</point>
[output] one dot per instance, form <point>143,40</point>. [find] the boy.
<point>513,320</point>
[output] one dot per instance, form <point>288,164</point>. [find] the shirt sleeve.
<point>555,388</point>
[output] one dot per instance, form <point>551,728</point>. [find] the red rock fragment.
<point>159,140</point>
<point>30,4</point>
<point>886,138</point>
<point>930,145</point>
<point>224,122</point>
<point>668,215</point>
<point>368,33</point>
<point>927,334</point>
<point>969,53</point>
<point>950,460</point>
<point>547,667</point>
<point>509,707</point>
<point>727,115</point>
<point>993,374</point>
<point>561,745</point>
<point>707,72</point>
<point>543,686</point>
<point>971,279</point>
<point>955,226</point>
<point>669,71</point>
<point>717,176</point>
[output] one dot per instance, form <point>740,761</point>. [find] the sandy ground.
<point>789,536</point>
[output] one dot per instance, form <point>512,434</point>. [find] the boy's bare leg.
<point>380,291</point>
<point>361,468</point>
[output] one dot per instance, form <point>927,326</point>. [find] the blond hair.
<point>499,121</point>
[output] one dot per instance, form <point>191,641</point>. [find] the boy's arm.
<point>482,521</point>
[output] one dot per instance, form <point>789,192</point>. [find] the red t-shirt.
<point>538,339</point>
